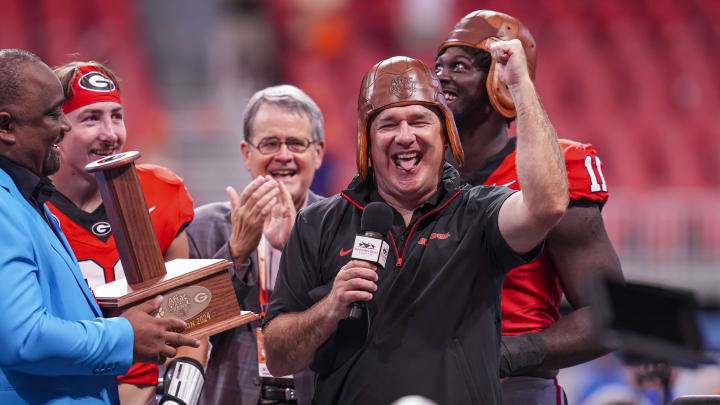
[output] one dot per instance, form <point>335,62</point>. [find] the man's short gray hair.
<point>287,97</point>
<point>12,63</point>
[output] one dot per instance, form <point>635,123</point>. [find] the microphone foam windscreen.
<point>377,217</point>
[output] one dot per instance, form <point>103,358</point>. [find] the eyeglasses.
<point>272,145</point>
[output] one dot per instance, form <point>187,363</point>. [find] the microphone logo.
<point>370,249</point>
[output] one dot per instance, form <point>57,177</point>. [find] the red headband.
<point>90,86</point>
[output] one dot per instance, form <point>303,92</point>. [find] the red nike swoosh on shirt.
<point>345,252</point>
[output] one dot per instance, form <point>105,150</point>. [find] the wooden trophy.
<point>198,291</point>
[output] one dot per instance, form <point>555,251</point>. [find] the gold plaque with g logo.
<point>185,303</point>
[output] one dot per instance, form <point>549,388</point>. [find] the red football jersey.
<point>531,293</point>
<point>89,235</point>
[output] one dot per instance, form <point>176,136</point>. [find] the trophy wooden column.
<point>198,291</point>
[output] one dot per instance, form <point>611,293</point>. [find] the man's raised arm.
<point>526,217</point>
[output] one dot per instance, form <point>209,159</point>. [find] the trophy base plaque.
<point>198,291</point>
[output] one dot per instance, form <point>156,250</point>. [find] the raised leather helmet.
<point>397,82</point>
<point>478,30</point>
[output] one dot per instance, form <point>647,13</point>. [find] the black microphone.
<point>369,246</point>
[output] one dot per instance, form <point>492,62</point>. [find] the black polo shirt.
<point>433,326</point>
<point>36,190</point>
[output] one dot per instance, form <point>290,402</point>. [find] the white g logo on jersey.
<point>101,228</point>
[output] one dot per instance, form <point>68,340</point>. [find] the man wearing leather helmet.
<point>431,325</point>
<point>536,340</point>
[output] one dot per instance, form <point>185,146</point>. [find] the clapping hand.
<point>249,211</point>
<point>281,219</point>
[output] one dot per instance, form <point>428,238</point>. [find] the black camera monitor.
<point>649,323</point>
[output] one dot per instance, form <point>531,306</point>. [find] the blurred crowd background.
<point>637,79</point>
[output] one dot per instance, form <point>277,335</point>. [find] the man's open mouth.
<point>449,96</point>
<point>56,145</point>
<point>283,173</point>
<point>103,151</point>
<point>407,160</point>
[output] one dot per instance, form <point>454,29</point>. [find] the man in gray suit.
<point>283,147</point>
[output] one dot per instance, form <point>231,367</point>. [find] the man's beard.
<point>461,117</point>
<point>472,114</point>
<point>52,162</point>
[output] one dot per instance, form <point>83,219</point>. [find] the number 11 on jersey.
<point>594,185</point>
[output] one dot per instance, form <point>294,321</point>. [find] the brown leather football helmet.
<point>397,82</point>
<point>478,30</point>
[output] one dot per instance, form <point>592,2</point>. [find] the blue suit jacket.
<point>55,347</point>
